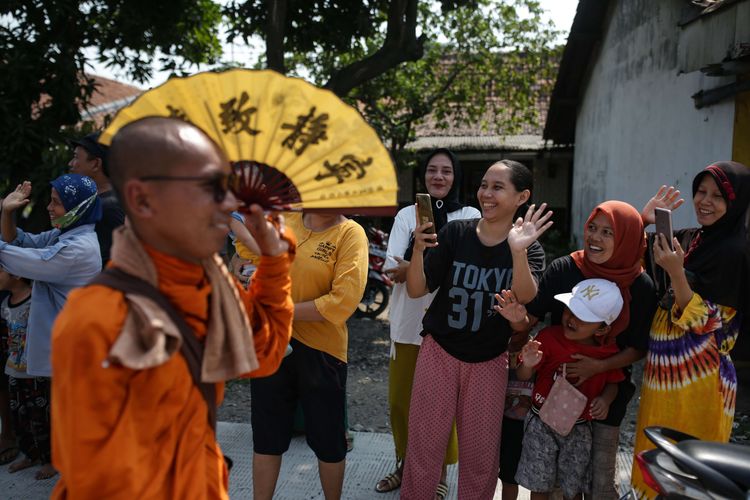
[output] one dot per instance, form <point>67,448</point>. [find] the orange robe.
<point>119,433</point>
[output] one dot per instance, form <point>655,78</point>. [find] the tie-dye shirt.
<point>689,381</point>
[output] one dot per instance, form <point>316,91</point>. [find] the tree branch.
<point>427,106</point>
<point>275,29</point>
<point>401,44</point>
<point>373,107</point>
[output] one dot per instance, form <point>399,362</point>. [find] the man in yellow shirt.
<point>329,275</point>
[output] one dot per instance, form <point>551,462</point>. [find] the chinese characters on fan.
<point>310,129</point>
<point>236,119</point>
<point>306,131</point>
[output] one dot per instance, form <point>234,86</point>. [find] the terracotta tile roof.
<point>109,96</point>
<point>111,90</point>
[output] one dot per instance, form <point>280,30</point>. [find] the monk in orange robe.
<point>128,420</point>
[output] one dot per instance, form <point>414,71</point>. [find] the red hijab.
<point>625,264</point>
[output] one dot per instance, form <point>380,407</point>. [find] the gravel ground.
<point>367,387</point>
<point>367,380</point>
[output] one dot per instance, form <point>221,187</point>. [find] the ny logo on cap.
<point>590,292</point>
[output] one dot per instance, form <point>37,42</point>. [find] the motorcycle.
<point>682,466</point>
<point>378,287</point>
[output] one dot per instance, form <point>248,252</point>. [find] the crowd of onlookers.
<point>467,299</point>
<point>37,273</point>
<point>517,369</point>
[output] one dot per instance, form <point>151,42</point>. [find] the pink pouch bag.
<point>563,406</point>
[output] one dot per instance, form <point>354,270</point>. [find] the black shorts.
<point>318,381</point>
<point>511,442</point>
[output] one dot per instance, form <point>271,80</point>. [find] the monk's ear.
<point>138,199</point>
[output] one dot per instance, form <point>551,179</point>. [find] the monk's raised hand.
<point>18,198</point>
<point>268,231</point>
<point>665,197</point>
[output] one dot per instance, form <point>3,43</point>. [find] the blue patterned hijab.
<point>82,204</point>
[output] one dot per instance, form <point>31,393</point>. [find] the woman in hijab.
<point>57,261</point>
<point>441,174</point>
<point>613,246</point>
<point>689,381</point>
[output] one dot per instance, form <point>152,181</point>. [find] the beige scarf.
<point>149,337</point>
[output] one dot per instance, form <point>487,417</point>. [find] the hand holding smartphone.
<point>424,212</point>
<point>664,224</point>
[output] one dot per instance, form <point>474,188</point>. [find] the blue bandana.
<point>79,198</point>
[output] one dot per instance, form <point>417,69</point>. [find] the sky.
<point>561,12</point>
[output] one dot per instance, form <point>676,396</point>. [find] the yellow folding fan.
<point>291,144</point>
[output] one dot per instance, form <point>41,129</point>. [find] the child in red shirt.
<point>548,457</point>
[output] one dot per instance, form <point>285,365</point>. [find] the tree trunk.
<point>275,29</point>
<point>401,44</point>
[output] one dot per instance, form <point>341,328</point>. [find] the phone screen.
<point>424,211</point>
<point>664,224</point>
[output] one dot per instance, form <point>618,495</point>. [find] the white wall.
<point>637,127</point>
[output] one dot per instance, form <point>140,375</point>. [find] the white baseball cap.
<point>594,300</point>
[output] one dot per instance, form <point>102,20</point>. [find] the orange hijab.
<point>625,264</point>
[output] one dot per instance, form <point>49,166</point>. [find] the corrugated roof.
<point>479,142</point>
<point>431,128</point>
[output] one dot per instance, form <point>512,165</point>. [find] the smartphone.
<point>664,224</point>
<point>424,211</point>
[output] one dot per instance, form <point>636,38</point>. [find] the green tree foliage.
<point>479,62</point>
<point>44,59</point>
<point>398,61</point>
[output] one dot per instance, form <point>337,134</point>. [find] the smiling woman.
<point>439,175</point>
<point>57,261</point>
<point>614,244</point>
<point>599,239</point>
<point>462,365</point>
<point>703,286</point>
<point>442,177</point>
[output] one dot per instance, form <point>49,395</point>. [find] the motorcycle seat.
<point>731,460</point>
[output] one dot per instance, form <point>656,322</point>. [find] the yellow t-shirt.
<point>330,268</point>
<point>245,253</point>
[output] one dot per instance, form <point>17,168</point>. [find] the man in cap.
<point>137,374</point>
<point>90,159</point>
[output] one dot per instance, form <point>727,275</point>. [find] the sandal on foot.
<point>441,492</point>
<point>390,482</point>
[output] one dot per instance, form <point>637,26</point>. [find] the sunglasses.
<point>221,183</point>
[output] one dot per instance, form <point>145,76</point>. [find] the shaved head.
<point>166,173</point>
<point>155,146</point>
